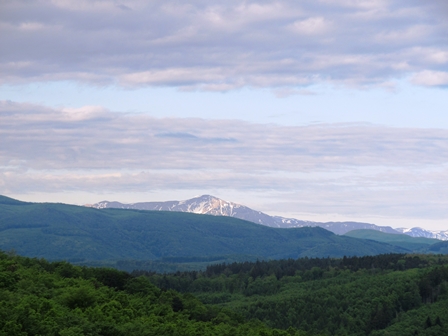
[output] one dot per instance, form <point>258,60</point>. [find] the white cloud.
<point>211,45</point>
<point>286,92</point>
<point>32,26</point>
<point>431,78</point>
<point>94,138</point>
<point>439,57</point>
<point>174,76</point>
<point>311,26</point>
<point>83,113</point>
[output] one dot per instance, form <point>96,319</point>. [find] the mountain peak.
<point>211,205</point>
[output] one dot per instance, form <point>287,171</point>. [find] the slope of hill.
<point>439,248</point>
<point>60,231</point>
<point>387,237</point>
<point>412,243</point>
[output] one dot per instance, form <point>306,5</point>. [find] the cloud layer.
<point>94,138</point>
<point>218,46</point>
<point>341,168</point>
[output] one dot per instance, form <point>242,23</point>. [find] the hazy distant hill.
<point>60,231</point>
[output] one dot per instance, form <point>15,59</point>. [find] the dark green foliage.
<point>174,264</point>
<point>348,296</point>
<point>42,298</point>
<point>391,294</point>
<point>428,323</point>
<point>82,235</point>
<point>82,297</point>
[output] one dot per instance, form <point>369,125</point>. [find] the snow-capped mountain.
<point>211,205</point>
<point>420,232</point>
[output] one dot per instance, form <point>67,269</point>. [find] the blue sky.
<point>320,110</point>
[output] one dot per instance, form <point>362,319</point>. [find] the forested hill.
<point>393,294</point>
<point>74,233</point>
<point>58,299</point>
<point>417,244</point>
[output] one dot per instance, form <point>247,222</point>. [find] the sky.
<point>318,110</point>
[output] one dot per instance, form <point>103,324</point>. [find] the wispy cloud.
<point>431,78</point>
<point>223,46</point>
<point>94,138</point>
<point>345,168</point>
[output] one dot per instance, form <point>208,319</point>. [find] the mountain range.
<point>210,205</point>
<point>75,233</point>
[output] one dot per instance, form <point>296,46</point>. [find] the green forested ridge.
<point>391,294</point>
<point>439,248</point>
<point>80,234</point>
<point>389,237</point>
<point>419,244</point>
<point>42,298</point>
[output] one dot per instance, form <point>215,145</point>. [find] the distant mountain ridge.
<point>210,205</point>
<point>420,232</point>
<point>79,234</point>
